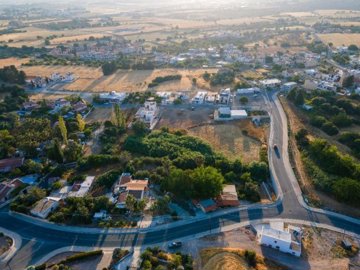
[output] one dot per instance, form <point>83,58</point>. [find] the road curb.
<point>16,244</point>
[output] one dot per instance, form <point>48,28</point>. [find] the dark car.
<point>175,244</point>
<point>276,147</point>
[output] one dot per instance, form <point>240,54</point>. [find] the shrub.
<point>250,257</point>
<point>317,121</point>
<point>329,128</point>
<point>82,256</point>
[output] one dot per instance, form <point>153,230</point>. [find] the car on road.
<point>276,147</point>
<point>175,244</point>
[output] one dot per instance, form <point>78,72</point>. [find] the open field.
<point>232,259</point>
<point>17,62</point>
<point>92,79</point>
<point>238,139</point>
<point>340,39</point>
<point>99,114</point>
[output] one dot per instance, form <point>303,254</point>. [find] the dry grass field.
<point>340,39</point>
<point>239,139</point>
<point>17,62</point>
<point>92,79</point>
<point>233,259</point>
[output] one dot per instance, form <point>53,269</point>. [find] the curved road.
<point>37,241</point>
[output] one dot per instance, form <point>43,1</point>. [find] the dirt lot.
<point>317,197</point>
<point>320,249</point>
<point>236,139</point>
<point>231,139</point>
<point>99,114</point>
<point>92,79</point>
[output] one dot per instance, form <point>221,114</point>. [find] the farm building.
<point>225,113</point>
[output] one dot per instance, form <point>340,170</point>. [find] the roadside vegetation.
<point>330,170</point>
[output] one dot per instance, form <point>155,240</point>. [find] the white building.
<point>224,96</point>
<point>199,97</point>
<point>225,113</point>
<point>81,189</point>
<point>270,83</point>
<point>149,113</point>
<point>247,91</point>
<point>288,86</point>
<point>112,97</point>
<point>287,240</point>
<point>45,206</point>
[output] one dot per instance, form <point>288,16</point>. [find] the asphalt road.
<point>39,241</point>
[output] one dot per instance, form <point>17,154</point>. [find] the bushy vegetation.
<point>10,74</point>
<point>155,82</point>
<point>222,77</point>
<point>190,168</point>
<point>156,259</point>
<point>80,210</point>
<point>330,170</point>
<point>24,202</point>
<point>24,51</point>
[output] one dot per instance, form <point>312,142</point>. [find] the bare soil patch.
<point>92,80</point>
<point>238,139</point>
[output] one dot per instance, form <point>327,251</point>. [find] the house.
<point>8,164</point>
<point>287,240</point>
<point>270,83</point>
<point>288,86</point>
<point>80,189</point>
<point>7,187</point>
<point>102,215</point>
<point>62,193</point>
<point>79,107</point>
<point>228,197</point>
<point>44,207</point>
<point>224,96</point>
<point>30,105</point>
<point>61,103</point>
<point>112,97</point>
<point>199,97</point>
<point>208,205</point>
<point>123,179</point>
<point>149,113</point>
<point>137,188</point>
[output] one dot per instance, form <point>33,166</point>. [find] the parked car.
<point>175,244</point>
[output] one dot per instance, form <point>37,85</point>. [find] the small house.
<point>44,207</point>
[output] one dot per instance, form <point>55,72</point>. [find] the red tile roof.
<point>8,164</point>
